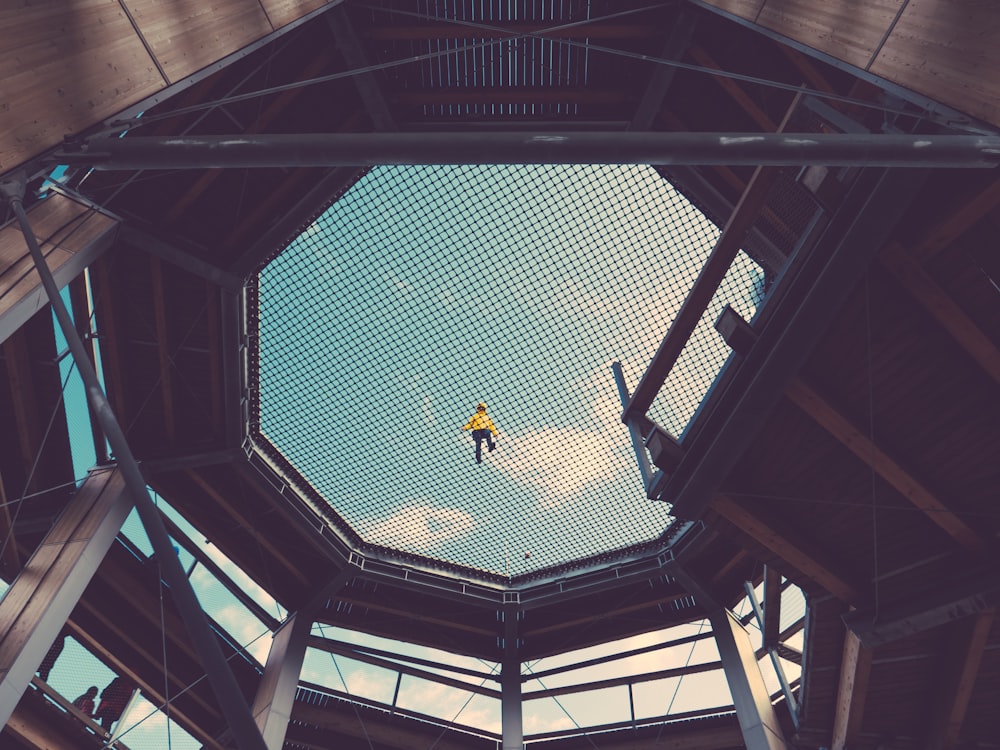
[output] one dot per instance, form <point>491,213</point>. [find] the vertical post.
<point>272,706</point>
<point>224,685</point>
<point>641,457</point>
<point>510,682</point>
<point>772,651</point>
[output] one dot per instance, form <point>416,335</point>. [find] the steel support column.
<point>272,707</point>
<point>758,720</point>
<point>224,685</point>
<point>369,149</point>
<point>511,721</point>
<point>43,595</point>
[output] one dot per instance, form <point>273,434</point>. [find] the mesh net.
<point>425,290</point>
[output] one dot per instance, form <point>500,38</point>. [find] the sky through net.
<point>425,290</point>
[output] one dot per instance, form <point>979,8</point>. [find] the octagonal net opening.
<point>425,290</point>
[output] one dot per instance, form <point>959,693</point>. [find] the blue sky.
<point>426,289</point>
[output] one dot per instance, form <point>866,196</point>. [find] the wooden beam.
<point>940,305</point>
<point>597,617</point>
<point>41,598</point>
<point>969,211</point>
<point>27,422</point>
<point>163,350</point>
<point>852,692</point>
<point>839,427</point>
<point>10,562</point>
<point>262,539</point>
<point>406,614</point>
<point>964,652</point>
<point>797,556</point>
<point>728,567</point>
<point>701,56</point>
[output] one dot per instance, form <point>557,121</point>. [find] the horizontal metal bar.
<point>367,149</point>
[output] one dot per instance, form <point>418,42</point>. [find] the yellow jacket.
<point>480,422</point>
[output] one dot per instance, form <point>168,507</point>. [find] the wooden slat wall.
<point>67,65</point>
<point>945,50</point>
<point>187,35</point>
<point>57,220</point>
<point>64,66</point>
<point>282,12</point>
<point>949,51</point>
<point>846,29</point>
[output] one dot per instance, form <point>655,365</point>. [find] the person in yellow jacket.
<point>482,429</point>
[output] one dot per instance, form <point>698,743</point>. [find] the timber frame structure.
<point>848,447</point>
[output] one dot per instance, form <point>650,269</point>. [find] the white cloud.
<point>558,462</point>
<point>420,527</point>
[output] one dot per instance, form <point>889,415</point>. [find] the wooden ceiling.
<point>865,467</point>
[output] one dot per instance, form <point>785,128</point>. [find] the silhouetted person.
<point>114,698</point>
<point>86,702</point>
<point>51,655</point>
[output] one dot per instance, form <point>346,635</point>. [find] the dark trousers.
<point>479,436</point>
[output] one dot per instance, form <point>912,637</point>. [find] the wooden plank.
<point>187,36</point>
<point>54,579</point>
<point>852,692</point>
<point>885,466</point>
<point>796,556</point>
<point>282,12</point>
<point>64,66</point>
<point>81,236</point>
<point>964,652</point>
<point>848,31</point>
<point>748,9</point>
<point>969,210</point>
<point>947,51</point>
<point>940,305</point>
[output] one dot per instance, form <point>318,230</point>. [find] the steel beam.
<point>44,594</point>
<point>511,719</point>
<point>369,149</point>
<point>224,685</point>
<point>272,707</point>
